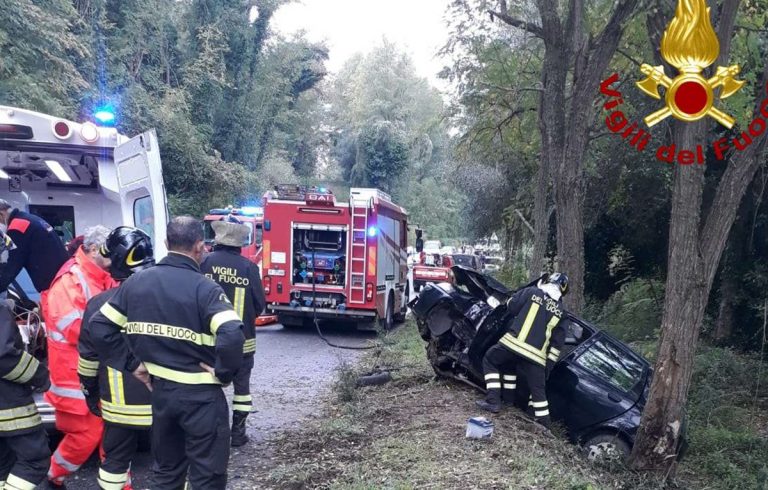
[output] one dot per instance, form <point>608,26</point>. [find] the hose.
<point>316,320</point>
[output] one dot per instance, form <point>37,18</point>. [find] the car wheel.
<point>606,448</point>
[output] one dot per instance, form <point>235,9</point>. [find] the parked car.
<point>492,263</point>
<point>597,389</point>
<point>467,260</point>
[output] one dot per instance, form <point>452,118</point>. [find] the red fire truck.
<point>330,260</point>
<point>253,217</point>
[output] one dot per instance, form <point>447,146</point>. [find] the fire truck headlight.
<point>372,231</point>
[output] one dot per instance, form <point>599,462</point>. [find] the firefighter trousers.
<point>242,401</point>
<point>24,460</point>
<point>82,436</point>
<point>119,445</point>
<point>190,435</point>
<point>502,367</point>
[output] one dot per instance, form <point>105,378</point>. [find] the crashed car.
<point>596,390</point>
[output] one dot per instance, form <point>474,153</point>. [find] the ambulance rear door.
<point>142,192</point>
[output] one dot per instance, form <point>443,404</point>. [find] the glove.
<point>43,386</point>
<point>91,400</point>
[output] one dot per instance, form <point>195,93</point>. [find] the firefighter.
<point>24,451</point>
<point>80,279</point>
<point>39,249</point>
<point>241,281</point>
<point>125,401</point>
<point>529,348</point>
<point>186,341</point>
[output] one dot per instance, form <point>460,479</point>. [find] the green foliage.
<point>40,52</point>
<point>634,311</point>
<point>727,420</point>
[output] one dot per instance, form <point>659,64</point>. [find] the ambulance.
<point>340,261</point>
<point>76,175</point>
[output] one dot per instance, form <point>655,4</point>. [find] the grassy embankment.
<point>410,434</point>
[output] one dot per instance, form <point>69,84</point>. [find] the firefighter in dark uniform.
<point>39,249</point>
<point>24,451</point>
<point>186,341</point>
<point>241,281</point>
<point>529,348</point>
<point>126,405</point>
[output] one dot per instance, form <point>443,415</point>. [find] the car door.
<point>598,382</point>
<point>141,187</point>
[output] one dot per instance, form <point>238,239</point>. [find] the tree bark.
<point>694,255</point>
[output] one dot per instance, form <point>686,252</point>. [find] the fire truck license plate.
<point>276,272</point>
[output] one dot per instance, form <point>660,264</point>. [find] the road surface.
<point>292,369</point>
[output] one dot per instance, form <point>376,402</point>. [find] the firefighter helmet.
<point>560,280</point>
<point>129,249</point>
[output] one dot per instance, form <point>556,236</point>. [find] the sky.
<point>352,26</point>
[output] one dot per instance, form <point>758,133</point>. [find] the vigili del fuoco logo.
<point>690,45</point>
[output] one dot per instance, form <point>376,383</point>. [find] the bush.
<point>634,312</point>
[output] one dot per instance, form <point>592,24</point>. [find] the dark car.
<point>597,389</point>
<point>467,260</point>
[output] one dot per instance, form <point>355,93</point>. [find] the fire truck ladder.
<point>359,208</point>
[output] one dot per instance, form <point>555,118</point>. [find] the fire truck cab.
<point>344,261</point>
<point>76,175</point>
<point>252,217</point>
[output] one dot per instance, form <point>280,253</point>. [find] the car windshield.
<point>611,364</point>
<point>466,260</point>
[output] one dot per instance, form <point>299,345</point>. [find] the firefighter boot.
<point>492,401</point>
<point>239,437</point>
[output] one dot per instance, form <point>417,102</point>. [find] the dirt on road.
<point>293,370</point>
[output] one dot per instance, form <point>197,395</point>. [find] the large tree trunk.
<point>540,214</point>
<point>662,421</point>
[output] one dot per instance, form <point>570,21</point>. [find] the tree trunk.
<point>660,428</point>
<point>725,313</point>
<point>540,213</point>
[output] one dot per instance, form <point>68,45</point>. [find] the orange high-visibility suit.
<point>63,304</point>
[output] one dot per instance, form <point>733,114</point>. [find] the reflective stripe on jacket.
<point>174,318</point>
<point>125,401</point>
<point>19,371</point>
<point>63,306</point>
<point>536,332</point>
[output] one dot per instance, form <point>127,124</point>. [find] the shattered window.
<point>611,364</point>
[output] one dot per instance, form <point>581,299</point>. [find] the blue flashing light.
<point>104,114</point>
<point>322,190</point>
<point>372,231</point>
<point>251,210</point>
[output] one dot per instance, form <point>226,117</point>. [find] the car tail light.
<point>369,292</point>
<point>447,261</point>
<point>267,284</point>
<point>422,258</point>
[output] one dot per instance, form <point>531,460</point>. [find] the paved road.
<point>292,368</point>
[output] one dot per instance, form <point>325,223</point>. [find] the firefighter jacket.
<point>19,373</point>
<point>63,305</point>
<point>241,281</point>
<point>536,332</point>
<point>125,401</point>
<point>39,250</point>
<point>175,318</point>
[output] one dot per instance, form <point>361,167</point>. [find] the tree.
<point>38,68</point>
<point>574,62</point>
<point>697,237</point>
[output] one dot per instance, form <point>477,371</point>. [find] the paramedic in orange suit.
<point>80,278</point>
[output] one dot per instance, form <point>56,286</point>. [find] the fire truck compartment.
<point>319,256</point>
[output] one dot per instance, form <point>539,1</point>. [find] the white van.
<point>77,175</point>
